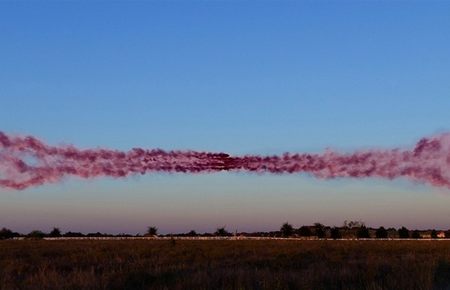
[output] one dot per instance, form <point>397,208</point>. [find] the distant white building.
<point>441,235</point>
<point>425,235</point>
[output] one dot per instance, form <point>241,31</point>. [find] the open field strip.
<point>238,238</point>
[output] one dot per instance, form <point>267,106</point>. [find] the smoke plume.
<point>27,162</point>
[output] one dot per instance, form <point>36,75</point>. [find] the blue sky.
<point>236,76</point>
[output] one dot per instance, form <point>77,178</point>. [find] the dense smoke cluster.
<point>27,161</point>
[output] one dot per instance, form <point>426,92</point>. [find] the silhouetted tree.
<point>415,234</point>
<point>319,230</point>
<point>221,232</point>
<point>363,232</point>
<point>192,233</point>
<point>73,234</point>
<point>95,235</point>
<point>403,233</point>
<point>55,233</point>
<point>286,230</point>
<point>123,235</point>
<point>304,231</point>
<point>353,224</point>
<point>36,234</point>
<point>381,233</point>
<point>335,233</point>
<point>7,234</point>
<point>434,234</point>
<point>152,231</point>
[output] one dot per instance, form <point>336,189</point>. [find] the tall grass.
<point>224,264</point>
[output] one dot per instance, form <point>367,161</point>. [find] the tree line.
<point>357,229</point>
<point>350,229</point>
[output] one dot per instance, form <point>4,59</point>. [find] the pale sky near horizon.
<point>243,77</point>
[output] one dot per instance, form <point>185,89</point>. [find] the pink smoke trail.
<point>27,162</point>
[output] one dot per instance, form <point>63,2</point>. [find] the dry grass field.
<point>141,264</point>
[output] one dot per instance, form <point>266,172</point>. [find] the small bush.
<point>36,235</point>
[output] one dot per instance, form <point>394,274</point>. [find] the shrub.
<point>36,235</point>
<point>73,234</point>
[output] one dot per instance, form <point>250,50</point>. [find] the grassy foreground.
<point>38,264</point>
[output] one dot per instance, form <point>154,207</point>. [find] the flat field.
<point>183,264</point>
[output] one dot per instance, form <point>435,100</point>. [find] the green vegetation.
<point>224,264</point>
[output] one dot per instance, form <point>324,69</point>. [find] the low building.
<point>441,235</point>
